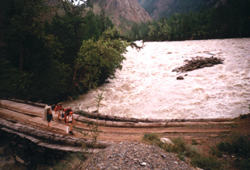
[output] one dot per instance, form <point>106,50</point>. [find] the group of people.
<point>63,114</point>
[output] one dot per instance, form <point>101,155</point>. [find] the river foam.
<point>146,87</point>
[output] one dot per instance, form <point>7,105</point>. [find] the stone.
<point>167,141</point>
<point>180,78</point>
<point>163,156</point>
<point>143,163</point>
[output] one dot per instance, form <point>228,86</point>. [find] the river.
<point>146,87</point>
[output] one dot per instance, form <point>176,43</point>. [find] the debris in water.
<point>197,63</point>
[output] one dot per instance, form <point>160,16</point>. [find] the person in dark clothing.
<point>49,116</point>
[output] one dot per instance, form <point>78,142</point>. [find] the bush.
<point>206,163</point>
<point>239,146</point>
<point>152,138</point>
<point>183,151</point>
<point>242,164</point>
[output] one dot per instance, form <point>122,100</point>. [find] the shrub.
<point>183,150</point>
<point>239,146</point>
<point>152,138</point>
<point>206,163</point>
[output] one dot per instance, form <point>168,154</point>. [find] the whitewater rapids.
<point>146,87</point>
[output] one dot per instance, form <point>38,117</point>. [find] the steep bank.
<point>123,13</point>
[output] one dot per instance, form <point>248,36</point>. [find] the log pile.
<point>49,139</point>
<point>95,115</point>
<point>115,121</point>
<point>197,63</point>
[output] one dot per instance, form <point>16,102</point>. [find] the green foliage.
<point>242,164</point>
<point>183,150</point>
<point>169,8</point>
<point>239,146</point>
<point>40,51</point>
<point>98,100</point>
<point>152,138</point>
<point>98,60</point>
<point>226,21</point>
<point>206,163</point>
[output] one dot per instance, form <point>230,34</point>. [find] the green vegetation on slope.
<point>237,149</point>
<point>40,56</point>
<point>227,21</point>
<point>165,8</point>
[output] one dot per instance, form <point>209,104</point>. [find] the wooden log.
<point>50,137</point>
<point>29,102</point>
<point>115,118</point>
<point>51,146</point>
<point>104,120</point>
<point>22,108</point>
<point>119,123</point>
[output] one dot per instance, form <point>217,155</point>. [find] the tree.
<point>98,60</point>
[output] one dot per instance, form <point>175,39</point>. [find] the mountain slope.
<point>122,12</point>
<point>165,8</point>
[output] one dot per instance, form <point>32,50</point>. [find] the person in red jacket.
<point>59,111</point>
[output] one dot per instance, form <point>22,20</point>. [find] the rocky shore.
<point>131,156</point>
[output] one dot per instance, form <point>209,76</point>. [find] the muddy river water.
<point>146,87</point>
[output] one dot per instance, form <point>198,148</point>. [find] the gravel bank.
<point>131,156</point>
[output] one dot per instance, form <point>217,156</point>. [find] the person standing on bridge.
<point>69,121</point>
<point>49,115</point>
<point>59,111</point>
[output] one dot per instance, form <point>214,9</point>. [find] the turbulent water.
<point>146,87</point>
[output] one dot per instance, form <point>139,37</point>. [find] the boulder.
<point>180,78</point>
<point>167,141</point>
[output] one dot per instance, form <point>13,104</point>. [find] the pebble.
<point>128,156</point>
<point>143,163</point>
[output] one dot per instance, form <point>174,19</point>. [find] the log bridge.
<point>25,119</point>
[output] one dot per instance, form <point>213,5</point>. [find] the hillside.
<point>123,13</point>
<point>165,8</point>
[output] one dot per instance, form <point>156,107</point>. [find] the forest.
<point>51,53</point>
<point>225,21</point>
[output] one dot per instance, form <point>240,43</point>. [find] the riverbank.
<point>19,154</point>
<point>23,154</point>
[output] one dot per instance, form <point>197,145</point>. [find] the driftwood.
<point>197,63</point>
<point>134,45</point>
